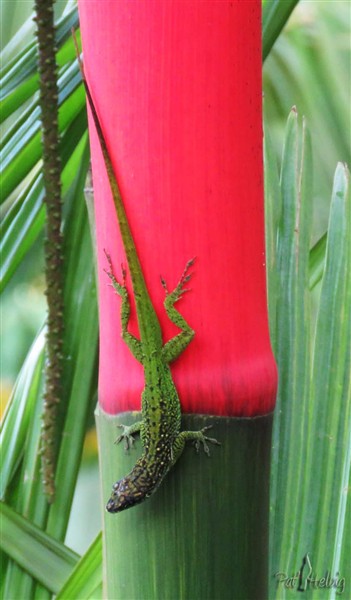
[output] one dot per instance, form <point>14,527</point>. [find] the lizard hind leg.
<point>132,342</point>
<point>177,345</point>
<point>197,437</point>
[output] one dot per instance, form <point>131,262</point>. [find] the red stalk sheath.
<point>177,86</point>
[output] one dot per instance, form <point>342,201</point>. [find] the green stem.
<point>204,534</point>
<point>53,241</point>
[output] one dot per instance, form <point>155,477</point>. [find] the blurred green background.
<point>309,67</point>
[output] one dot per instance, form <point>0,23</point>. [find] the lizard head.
<point>136,487</point>
<point>125,494</point>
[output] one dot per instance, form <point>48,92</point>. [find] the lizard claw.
<point>186,276</point>
<point>164,285</point>
<point>108,256</point>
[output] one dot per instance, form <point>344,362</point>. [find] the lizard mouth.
<point>112,506</point>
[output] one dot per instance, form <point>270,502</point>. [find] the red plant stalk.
<point>177,86</point>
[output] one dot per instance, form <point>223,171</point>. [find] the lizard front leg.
<point>176,345</point>
<point>127,434</point>
<point>134,345</point>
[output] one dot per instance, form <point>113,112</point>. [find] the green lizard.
<point>159,428</point>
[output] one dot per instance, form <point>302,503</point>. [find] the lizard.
<point>160,426</point>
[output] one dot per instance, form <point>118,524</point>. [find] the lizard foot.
<point>126,435</point>
<point>119,287</point>
<point>203,439</point>
<point>177,293</point>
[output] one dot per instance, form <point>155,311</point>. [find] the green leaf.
<point>311,454</point>
<point>22,65</point>
<point>85,581</point>
<point>272,217</point>
<point>21,430</point>
<point>317,260</point>
<point>307,68</point>
<point>25,488</point>
<point>292,340</point>
<point>23,148</point>
<point>43,557</point>
<point>329,452</point>
<point>25,219</point>
<point>20,228</point>
<point>274,16</point>
<point>19,412</point>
